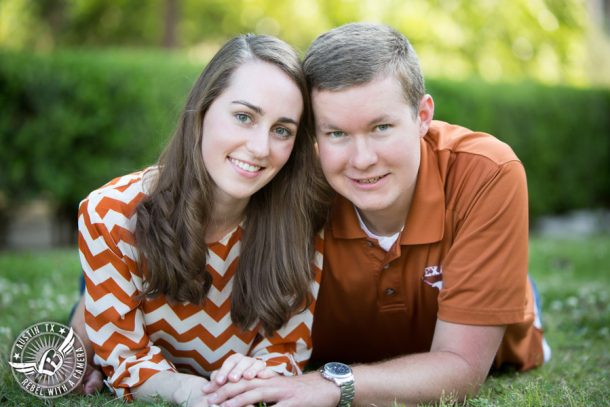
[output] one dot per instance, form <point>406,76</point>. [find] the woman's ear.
<point>425,113</point>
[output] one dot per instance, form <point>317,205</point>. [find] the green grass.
<point>573,277</point>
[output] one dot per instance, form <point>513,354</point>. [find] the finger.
<point>227,366</point>
<point>266,373</point>
<point>254,369</point>
<point>252,397</point>
<point>238,370</point>
<point>211,387</point>
<point>229,390</point>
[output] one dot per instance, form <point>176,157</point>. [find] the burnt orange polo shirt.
<point>462,257</point>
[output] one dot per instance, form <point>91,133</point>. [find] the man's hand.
<point>299,391</point>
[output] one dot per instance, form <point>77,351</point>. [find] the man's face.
<point>369,146</point>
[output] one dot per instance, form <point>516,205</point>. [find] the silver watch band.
<point>348,391</point>
<point>341,375</point>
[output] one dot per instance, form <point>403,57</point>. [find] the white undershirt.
<point>385,242</point>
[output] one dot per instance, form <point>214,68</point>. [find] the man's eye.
<point>243,118</point>
<point>383,127</point>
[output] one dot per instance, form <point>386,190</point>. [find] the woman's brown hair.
<point>274,270</point>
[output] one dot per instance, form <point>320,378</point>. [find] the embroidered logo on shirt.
<point>433,276</point>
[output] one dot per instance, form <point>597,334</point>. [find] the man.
<point>425,279</point>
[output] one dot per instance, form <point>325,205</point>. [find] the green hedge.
<point>72,120</point>
<point>561,134</point>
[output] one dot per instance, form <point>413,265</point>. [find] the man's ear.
<point>425,113</point>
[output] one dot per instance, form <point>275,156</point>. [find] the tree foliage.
<point>71,121</point>
<point>540,39</point>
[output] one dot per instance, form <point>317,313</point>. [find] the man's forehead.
<point>368,104</point>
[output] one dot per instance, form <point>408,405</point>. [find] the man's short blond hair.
<point>356,53</point>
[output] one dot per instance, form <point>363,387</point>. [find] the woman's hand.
<point>93,380</point>
<point>237,367</point>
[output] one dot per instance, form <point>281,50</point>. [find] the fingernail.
<point>235,376</point>
<point>220,379</point>
<point>207,387</point>
<point>212,398</point>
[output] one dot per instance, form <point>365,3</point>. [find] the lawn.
<point>573,277</point>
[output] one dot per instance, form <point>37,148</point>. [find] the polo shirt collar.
<point>426,218</point>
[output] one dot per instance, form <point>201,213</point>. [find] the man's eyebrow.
<point>380,119</point>
<point>249,105</point>
<point>326,126</point>
<point>260,111</point>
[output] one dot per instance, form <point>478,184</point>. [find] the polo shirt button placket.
<point>389,291</point>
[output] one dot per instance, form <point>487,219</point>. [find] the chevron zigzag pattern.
<point>133,340</point>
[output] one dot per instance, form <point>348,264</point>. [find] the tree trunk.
<point>172,10</point>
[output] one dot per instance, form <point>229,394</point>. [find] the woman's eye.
<point>383,127</point>
<point>283,132</point>
<point>336,134</point>
<point>243,118</point>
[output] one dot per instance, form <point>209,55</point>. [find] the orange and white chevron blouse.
<point>134,339</point>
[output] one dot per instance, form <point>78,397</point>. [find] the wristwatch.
<point>340,374</point>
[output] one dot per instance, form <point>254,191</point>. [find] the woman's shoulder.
<point>122,194</point>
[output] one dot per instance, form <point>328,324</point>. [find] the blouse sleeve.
<point>113,320</point>
<point>288,350</point>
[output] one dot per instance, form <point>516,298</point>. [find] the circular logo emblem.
<point>48,360</point>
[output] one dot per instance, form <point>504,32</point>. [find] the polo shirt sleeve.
<point>485,270</point>
<point>113,319</point>
<point>288,350</point>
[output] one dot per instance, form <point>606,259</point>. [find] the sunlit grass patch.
<point>573,278</point>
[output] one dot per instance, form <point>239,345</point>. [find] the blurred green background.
<point>91,89</point>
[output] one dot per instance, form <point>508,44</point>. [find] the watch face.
<point>337,369</point>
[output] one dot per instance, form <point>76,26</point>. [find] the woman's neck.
<point>225,217</point>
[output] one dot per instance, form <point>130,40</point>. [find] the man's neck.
<point>382,224</point>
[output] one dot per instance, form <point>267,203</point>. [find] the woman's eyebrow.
<point>287,120</point>
<point>261,112</point>
<point>257,109</point>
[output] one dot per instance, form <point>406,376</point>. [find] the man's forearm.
<point>456,366</point>
<point>413,379</point>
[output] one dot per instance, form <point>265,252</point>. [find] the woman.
<point>167,302</point>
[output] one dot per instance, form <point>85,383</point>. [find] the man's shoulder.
<point>456,140</point>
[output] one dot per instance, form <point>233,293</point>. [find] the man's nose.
<point>363,155</point>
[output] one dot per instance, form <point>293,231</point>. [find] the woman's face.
<point>249,130</point>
